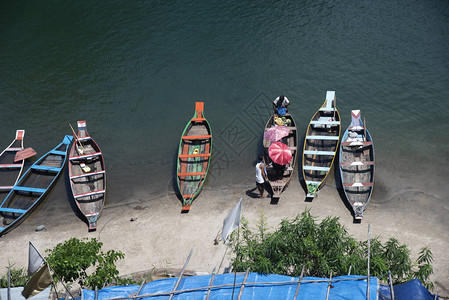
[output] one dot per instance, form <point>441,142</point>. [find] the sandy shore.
<point>161,237</point>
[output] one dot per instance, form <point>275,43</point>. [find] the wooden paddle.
<point>78,149</point>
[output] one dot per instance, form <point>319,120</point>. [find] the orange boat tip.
<point>185,208</point>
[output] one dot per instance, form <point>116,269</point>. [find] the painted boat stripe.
<point>3,166</point>
<point>191,174</point>
<point>85,156</point>
<point>313,152</point>
<point>87,174</point>
<point>45,168</point>
<point>194,155</point>
<point>12,210</point>
<point>322,137</point>
<point>316,168</point>
<point>196,137</point>
<point>29,189</point>
<point>90,194</point>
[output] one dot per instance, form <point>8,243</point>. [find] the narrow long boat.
<point>32,187</point>
<point>279,182</point>
<point>194,155</point>
<point>321,145</point>
<point>87,175</point>
<point>357,164</point>
<point>10,171</point>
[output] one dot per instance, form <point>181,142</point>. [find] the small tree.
<point>71,259</point>
<point>321,248</point>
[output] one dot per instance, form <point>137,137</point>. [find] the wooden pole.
<point>329,286</point>
<point>299,283</point>
<point>76,137</point>
<point>236,255</point>
<point>367,277</point>
<point>391,285</point>
<point>9,282</point>
<point>180,275</point>
<point>364,129</point>
<point>210,284</point>
<point>243,284</point>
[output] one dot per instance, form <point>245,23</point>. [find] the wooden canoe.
<point>321,145</point>
<point>87,175</point>
<point>357,164</point>
<point>194,155</point>
<point>10,171</point>
<point>33,186</point>
<point>279,182</point>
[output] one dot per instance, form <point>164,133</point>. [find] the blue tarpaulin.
<point>257,286</point>
<point>411,290</point>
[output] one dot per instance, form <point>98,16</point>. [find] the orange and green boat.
<point>194,155</point>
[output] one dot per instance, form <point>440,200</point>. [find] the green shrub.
<point>70,261</point>
<point>322,248</point>
<point>19,277</point>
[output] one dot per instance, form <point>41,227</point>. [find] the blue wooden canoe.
<point>32,187</point>
<point>357,164</point>
<point>321,145</point>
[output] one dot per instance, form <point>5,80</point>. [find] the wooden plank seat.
<point>12,210</point>
<point>194,155</point>
<point>323,137</point>
<point>312,182</point>
<point>327,109</point>
<point>316,168</point>
<point>191,174</point>
<point>6,187</point>
<point>313,152</point>
<point>358,184</point>
<point>57,152</point>
<point>85,156</point>
<point>29,189</point>
<point>356,128</point>
<point>357,143</point>
<point>196,137</point>
<point>87,174</point>
<point>188,196</point>
<point>7,166</point>
<point>14,149</point>
<point>198,120</point>
<point>330,123</point>
<point>45,168</point>
<point>89,194</point>
<point>357,163</point>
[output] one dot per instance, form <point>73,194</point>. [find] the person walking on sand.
<point>261,176</point>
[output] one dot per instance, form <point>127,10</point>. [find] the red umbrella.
<point>276,133</point>
<point>280,153</point>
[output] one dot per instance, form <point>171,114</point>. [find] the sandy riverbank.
<point>161,237</point>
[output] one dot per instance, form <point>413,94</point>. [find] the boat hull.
<point>194,154</point>
<point>87,175</point>
<point>32,187</point>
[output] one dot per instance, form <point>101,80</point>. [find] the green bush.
<point>70,261</point>
<point>19,277</point>
<point>322,248</point>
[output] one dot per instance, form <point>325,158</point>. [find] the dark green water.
<point>133,70</point>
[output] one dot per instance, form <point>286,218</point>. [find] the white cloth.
<point>259,177</point>
<point>285,102</point>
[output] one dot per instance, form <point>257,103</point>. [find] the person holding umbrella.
<point>261,176</point>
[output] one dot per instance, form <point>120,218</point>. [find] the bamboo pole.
<point>329,286</point>
<point>364,129</point>
<point>236,255</point>
<point>210,284</point>
<point>367,277</point>
<point>243,285</point>
<point>391,285</point>
<point>299,283</point>
<point>180,275</point>
<point>9,282</point>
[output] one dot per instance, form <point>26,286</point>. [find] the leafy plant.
<point>18,277</point>
<point>71,260</point>
<point>322,248</point>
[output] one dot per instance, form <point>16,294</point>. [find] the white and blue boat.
<point>33,186</point>
<point>357,164</point>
